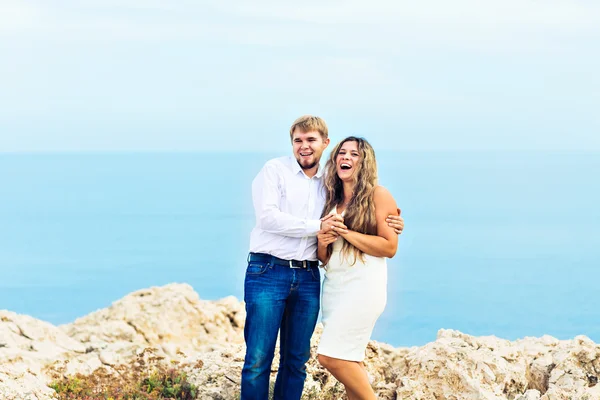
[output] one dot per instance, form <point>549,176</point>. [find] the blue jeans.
<point>284,299</point>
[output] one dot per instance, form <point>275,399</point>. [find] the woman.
<point>354,289</point>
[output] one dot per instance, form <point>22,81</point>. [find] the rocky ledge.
<point>205,338</point>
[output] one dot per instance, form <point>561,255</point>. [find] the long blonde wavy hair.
<point>360,211</point>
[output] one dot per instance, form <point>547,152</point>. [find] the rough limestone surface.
<point>26,346</point>
<point>478,368</point>
<point>168,317</point>
<point>205,338</point>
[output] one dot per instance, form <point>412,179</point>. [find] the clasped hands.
<point>332,226</point>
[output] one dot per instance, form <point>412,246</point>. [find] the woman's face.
<point>347,160</point>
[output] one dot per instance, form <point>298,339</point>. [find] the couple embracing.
<point>306,215</point>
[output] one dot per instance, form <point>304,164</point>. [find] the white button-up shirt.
<point>288,207</point>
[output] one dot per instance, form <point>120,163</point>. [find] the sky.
<point>217,75</point>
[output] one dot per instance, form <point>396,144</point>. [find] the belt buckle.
<point>302,266</point>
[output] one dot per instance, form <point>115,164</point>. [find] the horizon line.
<point>223,151</point>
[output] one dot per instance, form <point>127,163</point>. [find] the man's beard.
<point>312,165</point>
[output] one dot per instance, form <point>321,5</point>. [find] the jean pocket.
<point>256,268</point>
<point>315,273</point>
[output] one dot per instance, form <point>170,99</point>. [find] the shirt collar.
<point>296,169</point>
<point>320,171</point>
<point>295,166</point>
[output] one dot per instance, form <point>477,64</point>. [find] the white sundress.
<point>353,297</point>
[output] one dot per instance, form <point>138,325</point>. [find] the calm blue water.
<point>495,243</point>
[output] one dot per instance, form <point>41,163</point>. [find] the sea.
<point>496,242</point>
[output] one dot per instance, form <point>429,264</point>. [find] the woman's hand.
<point>331,221</point>
<point>326,238</point>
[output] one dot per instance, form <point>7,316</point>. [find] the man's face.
<point>308,148</point>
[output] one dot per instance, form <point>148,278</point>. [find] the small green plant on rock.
<point>146,378</point>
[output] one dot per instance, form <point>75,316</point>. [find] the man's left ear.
<point>326,141</point>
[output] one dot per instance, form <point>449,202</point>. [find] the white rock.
<point>530,395</point>
<point>205,338</point>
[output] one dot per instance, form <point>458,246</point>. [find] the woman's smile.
<point>347,158</point>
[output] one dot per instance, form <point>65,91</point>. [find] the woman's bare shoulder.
<point>383,197</point>
<point>382,193</point>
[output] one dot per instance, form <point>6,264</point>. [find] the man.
<point>282,285</point>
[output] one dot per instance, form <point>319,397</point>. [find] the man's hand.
<point>396,222</point>
<point>333,220</point>
<point>326,239</point>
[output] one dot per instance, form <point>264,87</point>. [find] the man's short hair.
<point>309,123</point>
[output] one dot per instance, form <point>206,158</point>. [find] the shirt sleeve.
<point>266,196</point>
